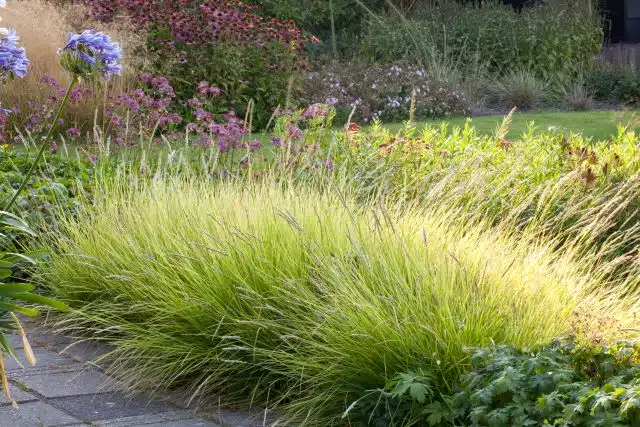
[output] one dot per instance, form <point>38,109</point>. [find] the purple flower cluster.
<point>315,110</point>
<point>149,109</point>
<point>13,59</point>
<point>142,110</point>
<point>205,89</point>
<point>36,115</point>
<point>294,132</point>
<point>227,135</point>
<point>73,132</point>
<point>89,53</point>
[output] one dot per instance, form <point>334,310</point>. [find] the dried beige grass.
<point>43,27</point>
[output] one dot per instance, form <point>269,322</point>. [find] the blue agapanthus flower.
<point>13,59</point>
<point>89,53</point>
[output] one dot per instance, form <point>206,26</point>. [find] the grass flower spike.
<point>89,54</point>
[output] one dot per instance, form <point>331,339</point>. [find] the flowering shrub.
<point>245,55</point>
<point>147,112</point>
<point>383,92</point>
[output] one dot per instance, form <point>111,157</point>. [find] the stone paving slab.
<point>113,405</point>
<point>34,414</point>
<point>186,423</point>
<point>15,341</point>
<point>239,418</point>
<point>44,358</point>
<point>66,388</point>
<point>17,394</point>
<point>181,418</point>
<point>62,384</point>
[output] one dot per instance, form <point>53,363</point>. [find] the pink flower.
<point>203,88</point>
<point>194,103</point>
<point>73,132</point>
<point>294,132</point>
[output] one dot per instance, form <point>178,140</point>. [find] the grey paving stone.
<point>44,358</point>
<point>186,423</point>
<point>88,381</point>
<point>174,418</point>
<point>84,351</point>
<point>18,395</point>
<point>34,414</point>
<point>95,407</point>
<point>239,418</point>
<point>16,341</point>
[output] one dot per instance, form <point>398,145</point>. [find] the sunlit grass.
<point>282,294</point>
<point>599,125</point>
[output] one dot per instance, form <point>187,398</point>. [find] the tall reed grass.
<point>290,296</point>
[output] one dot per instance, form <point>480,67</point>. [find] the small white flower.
<point>4,32</point>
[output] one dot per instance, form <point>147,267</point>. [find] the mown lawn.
<point>598,125</point>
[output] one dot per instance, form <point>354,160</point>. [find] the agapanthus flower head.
<point>13,59</point>
<point>88,54</point>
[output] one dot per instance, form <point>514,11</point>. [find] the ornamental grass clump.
<point>290,297</point>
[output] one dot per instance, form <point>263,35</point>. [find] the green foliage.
<point>242,72</point>
<point>315,16</point>
<point>56,185</point>
<point>554,41</point>
<point>562,384</point>
<point>615,86</point>
<point>14,295</point>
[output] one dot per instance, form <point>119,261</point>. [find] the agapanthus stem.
<point>45,144</point>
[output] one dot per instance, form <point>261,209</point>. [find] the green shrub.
<point>243,73</point>
<point>563,383</point>
<point>382,92</point>
<point>283,294</point>
<point>553,41</point>
<point>615,86</point>
<point>316,16</point>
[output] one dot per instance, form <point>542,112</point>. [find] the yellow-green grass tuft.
<point>286,296</point>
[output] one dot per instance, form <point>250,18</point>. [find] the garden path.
<point>65,389</point>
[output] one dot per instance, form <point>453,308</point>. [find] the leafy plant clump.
<point>284,293</point>
<point>57,185</point>
<point>566,383</point>
<point>557,40</point>
<point>225,43</point>
<point>392,92</point>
